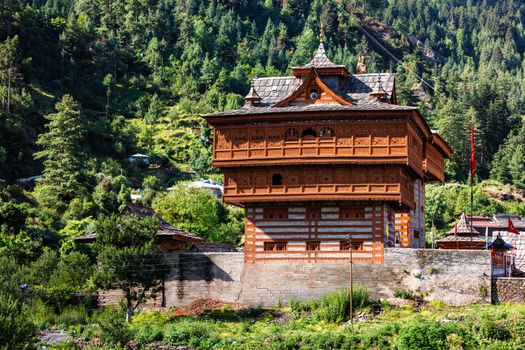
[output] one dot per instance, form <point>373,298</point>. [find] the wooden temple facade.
<point>325,161</point>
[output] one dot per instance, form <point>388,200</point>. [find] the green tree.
<point>189,208</point>
<point>16,329</point>
<point>112,194</point>
<point>10,76</point>
<point>63,155</point>
<point>129,258</point>
<point>197,211</point>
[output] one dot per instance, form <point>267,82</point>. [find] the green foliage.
<point>12,217</point>
<point>62,153</point>
<point>445,203</point>
<point>403,293</point>
<point>426,335</point>
<point>113,329</point>
<point>57,279</point>
<point>494,330</point>
<point>129,258</point>
<point>16,330</point>
<point>148,334</point>
<point>111,194</point>
<point>199,334</point>
<point>197,211</point>
<point>334,306</point>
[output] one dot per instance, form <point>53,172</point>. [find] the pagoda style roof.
<point>499,244</point>
<point>320,60</point>
<point>463,228</point>
<point>316,85</point>
<point>356,88</point>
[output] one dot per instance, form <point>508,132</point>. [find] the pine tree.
<point>62,153</point>
<point>10,76</point>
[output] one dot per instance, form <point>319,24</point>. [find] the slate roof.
<point>361,85</point>
<point>463,227</point>
<point>356,89</point>
<point>364,106</point>
<point>475,239</point>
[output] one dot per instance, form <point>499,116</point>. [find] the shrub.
<point>381,338</point>
<point>335,306</point>
<point>113,329</point>
<point>16,331</point>
<point>73,315</point>
<point>147,334</point>
<point>403,294</point>
<point>199,334</point>
<point>494,330</point>
<point>422,334</point>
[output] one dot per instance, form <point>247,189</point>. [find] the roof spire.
<point>321,34</point>
<point>378,93</point>
<point>253,97</point>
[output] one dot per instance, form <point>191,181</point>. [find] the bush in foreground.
<point>334,306</point>
<point>16,331</point>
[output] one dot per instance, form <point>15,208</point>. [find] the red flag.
<point>512,229</point>
<point>472,153</point>
<point>455,230</point>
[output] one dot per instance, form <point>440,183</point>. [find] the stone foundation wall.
<point>454,277</point>
<point>508,290</point>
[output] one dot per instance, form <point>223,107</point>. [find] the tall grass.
<point>334,306</point>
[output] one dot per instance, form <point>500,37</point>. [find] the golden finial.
<point>321,33</point>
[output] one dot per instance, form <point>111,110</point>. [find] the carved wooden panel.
<point>364,182</point>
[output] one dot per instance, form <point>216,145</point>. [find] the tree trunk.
<point>129,312</point>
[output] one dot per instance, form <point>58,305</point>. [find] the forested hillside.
<point>85,84</point>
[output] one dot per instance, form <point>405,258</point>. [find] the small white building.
<point>215,188</point>
<point>139,158</point>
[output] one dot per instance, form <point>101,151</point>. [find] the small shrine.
<point>462,236</point>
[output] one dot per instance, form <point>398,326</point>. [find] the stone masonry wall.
<point>508,290</point>
<point>454,277</point>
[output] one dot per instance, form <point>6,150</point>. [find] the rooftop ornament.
<point>253,97</point>
<point>378,93</point>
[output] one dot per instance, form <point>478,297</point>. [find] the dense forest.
<point>85,84</point>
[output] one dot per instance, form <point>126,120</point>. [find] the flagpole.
<point>471,208</point>
<point>472,172</point>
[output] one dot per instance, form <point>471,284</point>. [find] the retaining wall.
<point>454,277</point>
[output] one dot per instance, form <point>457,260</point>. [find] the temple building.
<point>325,161</point>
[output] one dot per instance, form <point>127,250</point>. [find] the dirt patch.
<point>199,306</point>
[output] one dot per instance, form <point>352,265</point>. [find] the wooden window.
<point>313,245</point>
<point>275,246</point>
<point>291,134</point>
<point>274,213</point>
<point>345,245</point>
<point>326,132</point>
<point>351,213</point>
<point>309,133</point>
<point>416,234</point>
<point>313,213</point>
<point>277,180</point>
